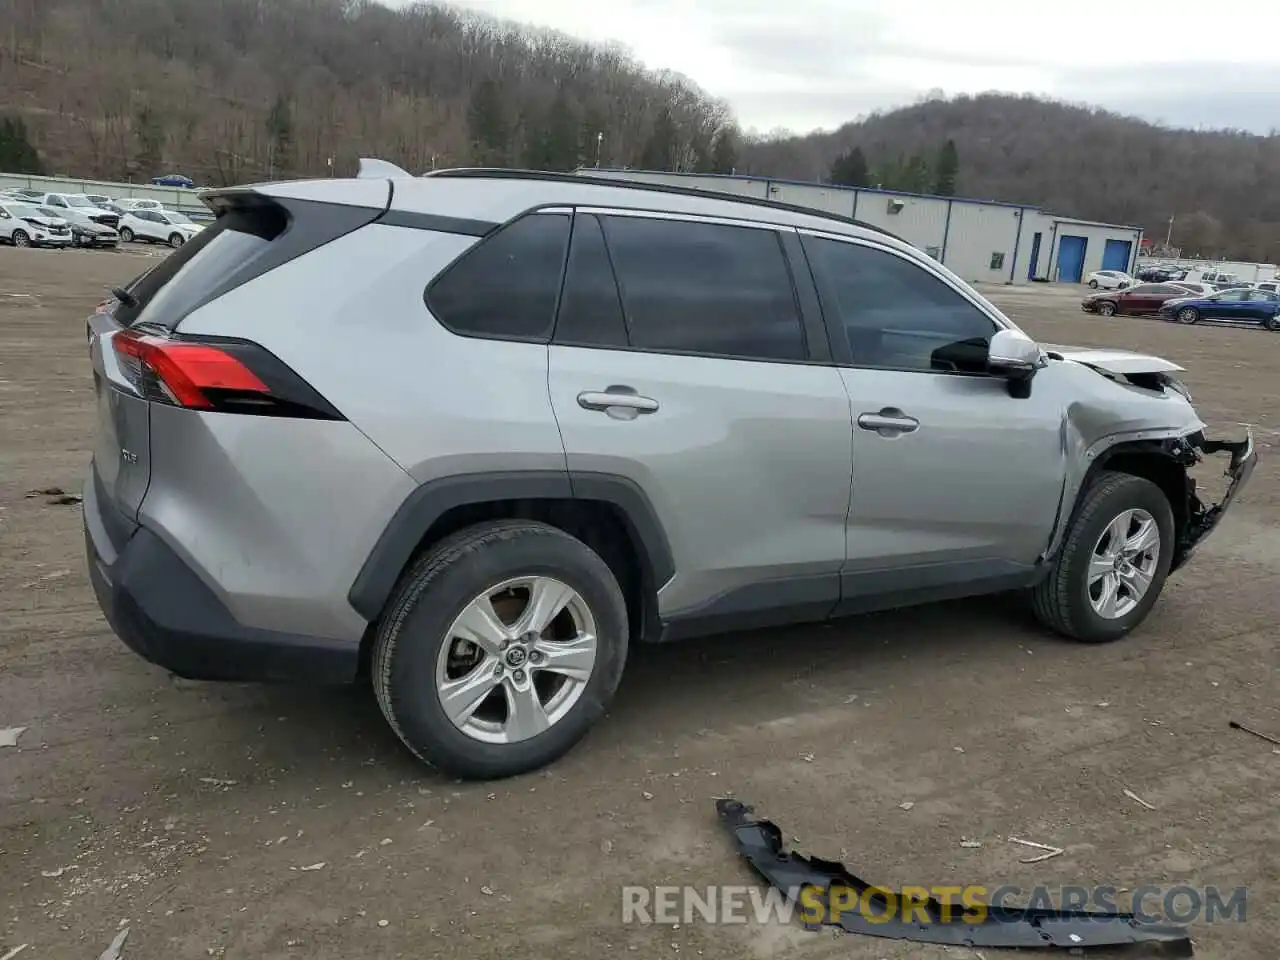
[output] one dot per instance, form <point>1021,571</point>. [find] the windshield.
<point>24,210</point>
<point>78,201</point>
<point>177,218</point>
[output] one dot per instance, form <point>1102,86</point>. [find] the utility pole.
<point>1168,237</point>
<point>599,146</point>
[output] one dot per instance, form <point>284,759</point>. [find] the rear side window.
<point>507,285</point>
<point>705,288</point>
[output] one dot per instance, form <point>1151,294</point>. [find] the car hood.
<point>1120,362</point>
<point>46,221</point>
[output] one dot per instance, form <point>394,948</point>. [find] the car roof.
<point>498,195</point>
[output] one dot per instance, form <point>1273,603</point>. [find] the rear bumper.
<point>166,614</point>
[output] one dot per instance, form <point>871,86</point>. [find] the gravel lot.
<point>187,811</point>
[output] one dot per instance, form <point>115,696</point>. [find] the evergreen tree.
<point>487,124</point>
<point>850,169</point>
<point>948,169</point>
<point>659,150</point>
<point>148,127</point>
<point>17,155</point>
<point>554,145</point>
<point>724,153</point>
<point>280,130</point>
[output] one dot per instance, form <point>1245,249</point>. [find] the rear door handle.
<point>616,398</point>
<point>888,422</point>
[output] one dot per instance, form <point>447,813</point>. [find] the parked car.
<point>165,226</point>
<point>1160,274</point>
<point>77,209</point>
<point>128,204</point>
<point>1193,287</point>
<point>25,225</point>
<point>1270,286</point>
<point>173,180</point>
<point>1110,280</point>
<point>679,391</point>
<point>1143,298</point>
<point>89,234</point>
<point>98,200</point>
<point>1239,305</point>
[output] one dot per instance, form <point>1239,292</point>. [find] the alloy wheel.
<point>1123,564</point>
<point>516,660</point>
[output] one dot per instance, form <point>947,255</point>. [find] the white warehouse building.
<point>979,240</point>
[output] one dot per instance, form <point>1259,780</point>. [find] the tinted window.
<point>590,308</point>
<point>1235,296</point>
<point>1163,288</point>
<point>200,266</point>
<point>507,285</point>
<point>896,314</point>
<point>1144,288</point>
<point>705,288</point>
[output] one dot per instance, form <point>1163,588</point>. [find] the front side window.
<point>897,315</point>
<point>704,288</point>
<point>507,285</point>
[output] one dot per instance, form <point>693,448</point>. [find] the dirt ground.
<point>188,812</point>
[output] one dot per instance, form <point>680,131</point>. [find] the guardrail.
<point>172,198</point>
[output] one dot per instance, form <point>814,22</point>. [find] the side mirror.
<point>1013,355</point>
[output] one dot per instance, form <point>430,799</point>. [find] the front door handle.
<point>618,399</point>
<point>889,422</point>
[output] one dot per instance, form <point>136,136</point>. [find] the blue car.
<point>173,180</point>
<point>1242,305</point>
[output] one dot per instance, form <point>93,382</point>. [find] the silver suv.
<point>476,432</point>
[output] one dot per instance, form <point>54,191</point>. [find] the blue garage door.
<point>1116,255</point>
<point>1071,258</point>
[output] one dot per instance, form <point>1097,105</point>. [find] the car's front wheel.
<point>1113,562</point>
<point>1094,284</point>
<point>1272,322</point>
<point>126,235</point>
<point>21,238</point>
<point>500,649</point>
<point>1188,315</point>
<point>176,240</point>
<point>1107,308</point>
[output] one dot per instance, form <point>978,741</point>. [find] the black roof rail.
<point>507,173</point>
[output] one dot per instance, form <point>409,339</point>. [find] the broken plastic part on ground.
<point>760,843</point>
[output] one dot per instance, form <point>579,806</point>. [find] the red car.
<point>1143,298</point>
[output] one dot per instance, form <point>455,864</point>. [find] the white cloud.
<point>808,63</point>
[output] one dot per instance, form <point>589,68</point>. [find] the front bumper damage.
<point>808,881</point>
<point>1201,518</point>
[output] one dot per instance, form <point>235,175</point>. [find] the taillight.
<point>214,374</point>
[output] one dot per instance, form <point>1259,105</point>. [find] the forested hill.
<point>1222,188</point>
<point>229,90</point>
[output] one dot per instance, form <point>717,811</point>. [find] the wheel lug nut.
<point>535,656</point>
<point>518,676</point>
<point>497,671</point>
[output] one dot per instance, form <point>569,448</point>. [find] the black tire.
<point>21,238</point>
<point>1188,315</point>
<point>432,594</point>
<point>126,235</point>
<point>1094,284</point>
<point>1272,323</point>
<point>1107,308</point>
<point>176,240</point>
<point>1061,601</point>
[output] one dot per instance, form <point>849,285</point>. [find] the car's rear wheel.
<point>1094,284</point>
<point>176,240</point>
<point>126,235</point>
<point>21,238</point>
<point>500,649</point>
<point>1107,308</point>
<point>1188,315</point>
<point>1113,562</point>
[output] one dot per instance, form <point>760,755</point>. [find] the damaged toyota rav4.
<point>472,434</point>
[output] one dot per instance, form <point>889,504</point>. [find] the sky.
<point>809,64</point>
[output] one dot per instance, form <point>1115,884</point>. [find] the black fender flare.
<point>414,517</point>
